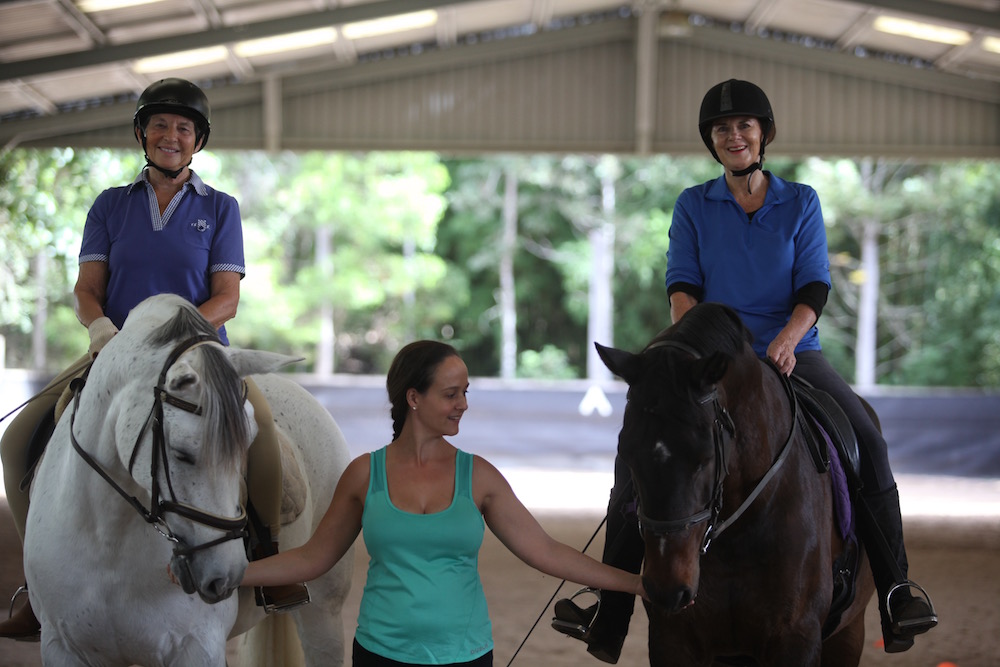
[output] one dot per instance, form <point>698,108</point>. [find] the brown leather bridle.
<point>233,528</point>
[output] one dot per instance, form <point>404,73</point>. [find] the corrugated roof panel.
<point>535,103</point>
<point>566,89</point>
<point>85,83</point>
<point>22,22</point>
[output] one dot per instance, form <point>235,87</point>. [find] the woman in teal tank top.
<point>422,505</point>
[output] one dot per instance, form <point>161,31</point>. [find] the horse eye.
<point>184,457</point>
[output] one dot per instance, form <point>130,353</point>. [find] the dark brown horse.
<point>738,524</point>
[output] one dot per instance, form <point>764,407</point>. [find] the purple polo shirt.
<point>198,234</point>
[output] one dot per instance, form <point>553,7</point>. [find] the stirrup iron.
<point>908,586</point>
<point>579,630</point>
<point>21,590</point>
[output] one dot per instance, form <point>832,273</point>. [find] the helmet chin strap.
<point>171,174</point>
<point>748,171</point>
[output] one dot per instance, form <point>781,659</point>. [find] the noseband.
<point>234,528</point>
<point>723,431</point>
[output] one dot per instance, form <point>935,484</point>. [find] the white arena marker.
<point>593,400</point>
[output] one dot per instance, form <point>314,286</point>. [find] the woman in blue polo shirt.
<point>166,232</point>
<point>757,243</point>
<point>422,506</point>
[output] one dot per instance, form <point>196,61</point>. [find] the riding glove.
<point>101,331</point>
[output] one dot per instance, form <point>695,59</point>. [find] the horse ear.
<point>252,362</point>
<point>623,364</point>
<point>711,369</point>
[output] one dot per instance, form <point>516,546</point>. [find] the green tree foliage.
<point>938,240</point>
<point>378,213</point>
<point>382,248</point>
<point>44,198</point>
<point>469,240</point>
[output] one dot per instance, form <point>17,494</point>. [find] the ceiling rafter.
<point>81,23</point>
<point>89,59</point>
<point>216,36</point>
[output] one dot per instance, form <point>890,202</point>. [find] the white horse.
<point>145,469</point>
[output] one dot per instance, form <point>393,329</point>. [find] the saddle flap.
<point>36,445</point>
<point>832,419</point>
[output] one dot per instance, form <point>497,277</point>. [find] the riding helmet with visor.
<point>736,98</point>
<point>176,96</point>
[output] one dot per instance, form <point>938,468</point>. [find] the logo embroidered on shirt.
<point>200,225</point>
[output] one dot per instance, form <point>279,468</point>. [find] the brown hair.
<point>413,368</point>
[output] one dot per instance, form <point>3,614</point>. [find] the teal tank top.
<point>423,601</point>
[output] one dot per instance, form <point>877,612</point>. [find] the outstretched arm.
<point>335,534</point>
<point>521,533</point>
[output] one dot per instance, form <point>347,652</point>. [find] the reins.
<point>782,455</point>
<point>234,528</point>
<point>85,364</point>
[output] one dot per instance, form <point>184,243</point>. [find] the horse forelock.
<point>709,328</point>
<point>226,430</point>
<point>669,385</point>
<point>185,323</point>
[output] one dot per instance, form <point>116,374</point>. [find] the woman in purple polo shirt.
<point>757,243</point>
<point>166,232</point>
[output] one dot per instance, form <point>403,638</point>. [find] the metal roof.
<point>58,59</point>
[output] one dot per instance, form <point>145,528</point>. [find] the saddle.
<point>833,444</point>
<point>36,445</point>
<point>827,417</point>
<point>43,431</point>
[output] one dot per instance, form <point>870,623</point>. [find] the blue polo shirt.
<point>198,234</point>
<point>754,266</point>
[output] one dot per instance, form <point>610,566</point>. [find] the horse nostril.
<point>683,598</point>
<point>673,599</point>
<point>217,590</point>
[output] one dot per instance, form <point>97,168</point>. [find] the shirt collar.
<point>777,189</point>
<point>194,181</point>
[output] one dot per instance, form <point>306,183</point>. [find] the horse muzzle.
<point>211,589</point>
<point>672,570</point>
<point>672,598</point>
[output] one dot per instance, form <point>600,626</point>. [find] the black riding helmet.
<point>735,98</point>
<point>173,96</point>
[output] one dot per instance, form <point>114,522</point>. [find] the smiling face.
<point>171,140</point>
<point>737,141</point>
<point>440,408</point>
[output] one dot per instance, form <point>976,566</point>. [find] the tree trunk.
<point>508,300</point>
<point>601,297</point>
<point>38,351</point>
<point>865,352</point>
<point>865,357</point>
<point>324,366</point>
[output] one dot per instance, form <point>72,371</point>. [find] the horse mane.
<point>226,431</point>
<point>709,327</point>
